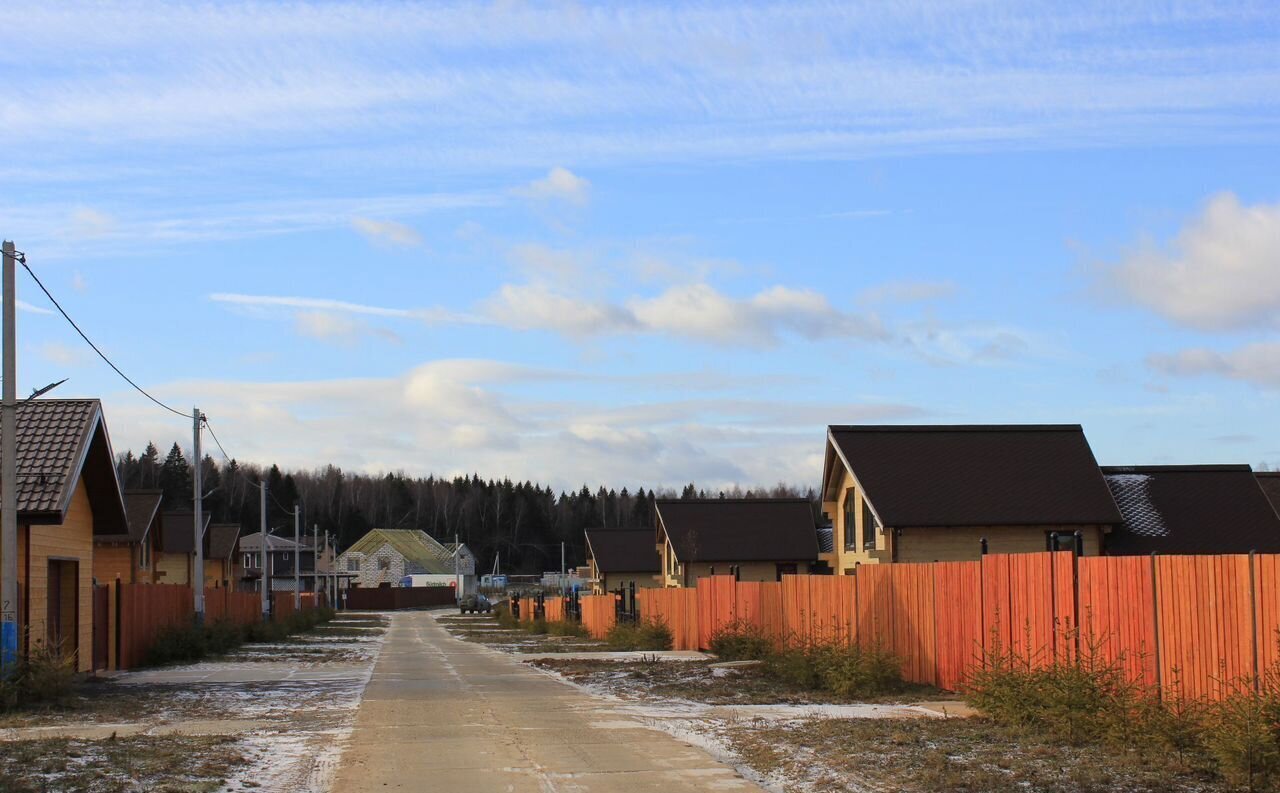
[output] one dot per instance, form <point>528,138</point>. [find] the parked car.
<point>474,604</point>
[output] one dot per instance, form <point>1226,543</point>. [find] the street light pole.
<point>297,552</point>
<point>9,470</point>
<point>266,555</point>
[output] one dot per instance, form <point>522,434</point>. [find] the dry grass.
<point>963,755</point>
<point>694,681</point>
<point>162,764</point>
<point>517,640</point>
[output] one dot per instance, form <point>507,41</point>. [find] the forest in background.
<point>524,522</point>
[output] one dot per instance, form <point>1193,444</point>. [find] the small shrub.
<point>844,670</point>
<point>646,635</point>
<point>502,613</point>
<point>566,628</point>
<point>1242,737</point>
<point>43,677</point>
<point>741,641</point>
<point>538,626</point>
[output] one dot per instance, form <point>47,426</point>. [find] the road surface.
<point>440,714</point>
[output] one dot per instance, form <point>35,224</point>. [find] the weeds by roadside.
<point>43,677</point>
<point>644,635</point>
<point>192,642</point>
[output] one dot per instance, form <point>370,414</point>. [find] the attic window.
<point>869,525</point>
<point>850,520</point>
<point>384,564</point>
<point>353,564</point>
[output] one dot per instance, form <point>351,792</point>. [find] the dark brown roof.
<point>55,441</point>
<point>177,535</point>
<point>624,550</point>
<point>999,475</point>
<point>1270,482</point>
<point>740,529</point>
<point>141,508</point>
<point>1191,509</point>
<point>220,540</point>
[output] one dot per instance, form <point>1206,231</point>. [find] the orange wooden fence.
<point>1194,624</point>
<point>554,608</point>
<point>226,604</point>
<point>599,612</point>
<point>144,610</point>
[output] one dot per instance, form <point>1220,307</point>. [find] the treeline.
<point>524,522</point>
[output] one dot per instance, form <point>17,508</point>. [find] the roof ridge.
<point>744,500</point>
<point>1206,467</point>
<point>955,427</point>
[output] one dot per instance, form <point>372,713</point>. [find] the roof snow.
<point>1132,493</point>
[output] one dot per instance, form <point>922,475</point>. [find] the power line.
<point>22,259</point>
<point>239,471</point>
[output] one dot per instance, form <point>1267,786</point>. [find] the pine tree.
<point>149,467</point>
<point>175,479</point>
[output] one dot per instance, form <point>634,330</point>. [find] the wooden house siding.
<point>115,561</point>
<point>173,568</point>
<point>71,540</point>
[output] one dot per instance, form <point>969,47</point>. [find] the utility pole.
<point>266,555</point>
<point>297,552</point>
<point>457,580</point>
<point>562,578</point>
<point>9,471</point>
<point>197,510</point>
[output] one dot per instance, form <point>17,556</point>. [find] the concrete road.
<point>440,714</point>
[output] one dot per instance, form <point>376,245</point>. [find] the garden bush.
<point>843,670</point>
<point>741,641</point>
<point>43,677</point>
<point>644,635</point>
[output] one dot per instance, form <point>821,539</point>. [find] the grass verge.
<point>116,765</point>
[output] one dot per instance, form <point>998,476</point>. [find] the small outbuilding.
<point>757,539</point>
<point>622,557</point>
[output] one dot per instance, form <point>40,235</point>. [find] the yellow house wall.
<point>965,543</point>
<point>113,561</point>
<point>71,540</point>
<point>846,558</point>
<point>173,568</point>
<point>612,581</point>
<point>215,573</point>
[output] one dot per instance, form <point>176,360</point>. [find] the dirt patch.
<point>116,765</point>
<point>697,681</point>
<point>515,640</point>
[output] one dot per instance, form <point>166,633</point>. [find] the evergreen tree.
<point>175,479</point>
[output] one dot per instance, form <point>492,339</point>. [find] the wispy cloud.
<point>559,184</point>
<point>387,232</point>
<point>1257,363</point>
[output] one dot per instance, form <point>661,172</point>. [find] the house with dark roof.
<point>220,543</point>
<point>68,494</point>
<point>622,557</point>
<point>1190,509</point>
<point>128,556</point>
<point>1269,481</point>
<point>935,493</point>
<point>175,556</point>
<point>758,539</point>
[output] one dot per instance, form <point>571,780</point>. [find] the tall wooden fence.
<point>224,604</point>
<point>1195,623</point>
<point>599,613</point>
<point>143,611</point>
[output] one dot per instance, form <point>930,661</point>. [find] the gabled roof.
<point>973,475</point>
<point>1191,509</point>
<point>220,540</point>
<point>177,535</point>
<point>141,508</point>
<point>58,440</point>
<point>1270,483</point>
<point>739,529</point>
<point>253,542</point>
<point>414,546</point>
<point>624,550</point>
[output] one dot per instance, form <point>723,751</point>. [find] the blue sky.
<point>649,244</point>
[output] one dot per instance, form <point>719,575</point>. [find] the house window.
<point>248,560</point>
<point>286,556</point>
<point>144,554</point>
<point>850,524</point>
<point>384,564</point>
<point>353,565</point>
<point>868,526</point>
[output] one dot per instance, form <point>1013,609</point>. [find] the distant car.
<point>474,604</point>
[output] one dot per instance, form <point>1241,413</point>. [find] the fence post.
<point>983,545</point>
<point>1155,624</point>
<point>119,634</point>
<point>1253,621</point>
<point>633,601</point>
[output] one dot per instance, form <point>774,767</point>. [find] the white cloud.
<point>89,222</point>
<point>387,232</point>
<point>459,416</point>
<point>1257,363</point>
<point>328,326</point>
<point>316,304</point>
<point>559,184</point>
<point>78,283</point>
<point>61,354</point>
<point>539,307</point>
<point>32,309</point>
<point>701,312</point>
<point>1221,271</point>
